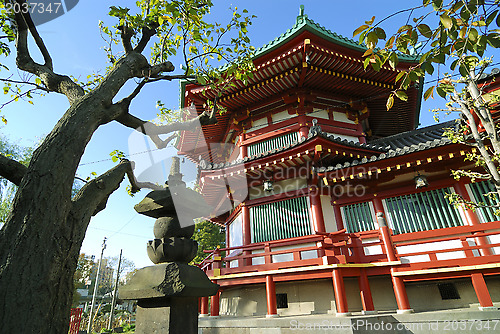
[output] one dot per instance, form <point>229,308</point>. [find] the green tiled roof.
<point>303,23</point>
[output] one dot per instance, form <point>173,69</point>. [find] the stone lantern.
<point>168,292</point>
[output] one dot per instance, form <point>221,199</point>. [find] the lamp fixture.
<point>420,181</point>
<point>268,185</point>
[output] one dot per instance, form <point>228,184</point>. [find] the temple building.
<point>330,203</point>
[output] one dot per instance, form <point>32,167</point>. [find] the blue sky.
<point>76,47</point>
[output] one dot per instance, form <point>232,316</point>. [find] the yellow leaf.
<point>368,52</point>
<point>390,102</point>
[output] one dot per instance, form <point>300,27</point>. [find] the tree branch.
<point>152,130</point>
<point>38,39</point>
<point>155,70</point>
<point>147,33</point>
<point>54,82</point>
<point>94,194</point>
<point>126,35</point>
<point>12,170</point>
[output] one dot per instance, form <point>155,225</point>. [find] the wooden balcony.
<point>450,252</point>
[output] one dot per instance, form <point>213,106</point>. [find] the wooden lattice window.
<point>479,190</point>
<point>272,144</point>
<point>422,211</point>
<point>358,217</point>
<point>280,220</point>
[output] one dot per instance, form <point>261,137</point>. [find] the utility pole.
<point>115,292</point>
<point>96,284</point>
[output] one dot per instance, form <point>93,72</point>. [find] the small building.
<point>331,203</point>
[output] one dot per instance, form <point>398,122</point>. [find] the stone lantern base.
<point>167,297</point>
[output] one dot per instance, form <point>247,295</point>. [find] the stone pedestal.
<point>167,315</point>
<point>167,295</point>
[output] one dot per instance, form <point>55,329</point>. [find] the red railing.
<point>456,246</point>
<point>318,249</point>
<point>75,320</point>
<point>364,247</point>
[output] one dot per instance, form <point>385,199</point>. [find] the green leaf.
<point>446,21</point>
<point>399,76</point>
<point>366,62</point>
<point>436,4</point>
<point>494,40</point>
<point>425,30</point>
<point>360,29</point>
<point>465,14</point>
<point>427,66</point>
<point>371,40</point>
<point>404,28</point>
<point>393,60</point>
<point>463,71</point>
<point>491,17</point>
<point>376,64</point>
<point>473,34</point>
<point>402,95</point>
<point>441,92</point>
<point>429,93</point>
<point>389,44</point>
<point>380,33</point>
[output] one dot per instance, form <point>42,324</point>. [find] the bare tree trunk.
<point>41,240</point>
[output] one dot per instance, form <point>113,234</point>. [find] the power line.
<point>121,228</point>
<point>132,235</point>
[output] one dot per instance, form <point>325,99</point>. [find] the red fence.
<point>443,247</point>
<point>75,320</point>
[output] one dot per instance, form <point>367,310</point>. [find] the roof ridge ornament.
<point>301,18</point>
<point>315,129</point>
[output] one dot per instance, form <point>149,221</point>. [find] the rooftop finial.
<point>175,177</point>
<point>301,18</point>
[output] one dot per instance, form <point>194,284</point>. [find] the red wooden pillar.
<point>247,234</point>
<point>338,216</point>
<point>397,282</point>
<point>472,217</point>
<point>483,295</point>
<point>272,310</point>
<point>203,306</point>
<point>339,290</point>
<point>385,234</point>
<point>366,293</point>
<point>243,148</point>
<point>214,304</point>
<point>216,267</point>
<point>401,296</point>
<point>316,210</point>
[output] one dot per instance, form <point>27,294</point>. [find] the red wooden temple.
<point>314,182</point>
